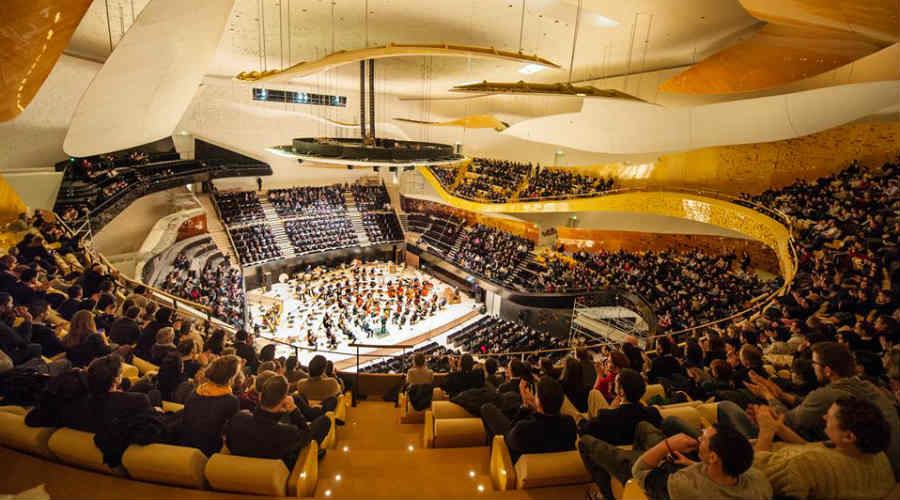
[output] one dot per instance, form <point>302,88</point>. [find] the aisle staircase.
<point>216,228</point>
<point>276,225</point>
<point>457,245</point>
<point>355,217</point>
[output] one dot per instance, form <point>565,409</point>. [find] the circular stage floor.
<point>305,304</point>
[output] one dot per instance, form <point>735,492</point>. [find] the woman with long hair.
<point>83,344</point>
<point>573,384</point>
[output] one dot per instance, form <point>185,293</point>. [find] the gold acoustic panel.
<point>593,240</point>
<point>11,204</point>
<point>683,205</point>
<point>342,57</point>
<point>804,38</point>
<point>474,121</point>
<point>33,35</point>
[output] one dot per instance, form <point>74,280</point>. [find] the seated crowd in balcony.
<point>308,200</point>
<point>553,183</point>
<point>382,227</point>
<point>492,253</point>
<point>239,207</point>
<point>321,233</point>
<point>370,198</point>
<point>255,244</point>
<point>217,286</point>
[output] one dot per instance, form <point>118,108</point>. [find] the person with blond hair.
<point>210,406</point>
<point>83,344</point>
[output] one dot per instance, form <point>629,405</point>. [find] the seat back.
<point>15,434</point>
<point>16,409</point>
<point>163,463</point>
<point>447,409</point>
<point>653,390</point>
<point>709,411</point>
<point>687,414</point>
<point>77,448</point>
<point>537,470</point>
<point>459,432</point>
<point>260,476</point>
<point>144,366</point>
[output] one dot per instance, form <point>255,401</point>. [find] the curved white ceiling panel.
<point>628,127</point>
<point>149,80</point>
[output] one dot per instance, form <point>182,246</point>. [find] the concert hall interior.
<point>450,249</point>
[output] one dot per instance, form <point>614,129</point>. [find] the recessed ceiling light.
<point>473,82</point>
<point>605,22</point>
<point>581,95</point>
<point>529,69</point>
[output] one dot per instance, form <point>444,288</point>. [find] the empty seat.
<point>18,410</point>
<point>452,432</point>
<point>448,409</point>
<point>163,463</point>
<point>264,476</point>
<point>15,434</point>
<point>77,448</point>
<point>535,470</point>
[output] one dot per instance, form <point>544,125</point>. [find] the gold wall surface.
<point>683,205</point>
<point>593,240</point>
<point>754,168</point>
<point>803,38</point>
<point>33,34</point>
<point>11,204</point>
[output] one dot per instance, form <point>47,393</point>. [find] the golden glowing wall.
<point>592,240</point>
<point>753,168</point>
<point>672,204</point>
<point>11,204</point>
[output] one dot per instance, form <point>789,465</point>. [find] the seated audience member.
<point>538,427</point>
<point>165,344</point>
<point>244,349</point>
<point>106,312</point>
<point>573,385</point>
<point>588,370</point>
<point>851,465</point>
<point>189,351</point>
<point>318,387</point>
<point>419,374</point>
<point>293,371</point>
<point>74,303</point>
<point>15,341</point>
<point>834,367</point>
<point>463,376</point>
<point>41,332</point>
<point>329,372</point>
<point>664,366</point>
<point>210,407</point>
<point>104,403</point>
<point>83,344</point>
<point>170,376</point>
<point>215,343</point>
<point>492,379</point>
<point>250,397</point>
<point>616,425</point>
<point>125,330</point>
<point>261,434</point>
<point>724,471</point>
<point>162,319</point>
<point>615,362</point>
<point>516,371</point>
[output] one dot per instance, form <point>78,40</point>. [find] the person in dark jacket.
<point>74,303</point>
<point>263,434</point>
<point>665,365</point>
<point>616,425</point>
<point>41,333</point>
<point>104,403</point>
<point>573,384</point>
<point>245,350</point>
<point>83,344</point>
<point>464,376</point>
<point>125,330</point>
<point>162,319</point>
<point>165,345</point>
<point>16,342</point>
<point>106,312</point>
<point>210,407</point>
<point>517,371</point>
<point>538,427</point>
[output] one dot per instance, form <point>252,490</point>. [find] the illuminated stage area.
<point>325,310</point>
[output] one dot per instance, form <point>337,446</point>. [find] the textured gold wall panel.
<point>11,204</point>
<point>33,34</point>
<point>673,204</point>
<point>592,240</point>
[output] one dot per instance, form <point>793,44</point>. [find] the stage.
<point>380,304</point>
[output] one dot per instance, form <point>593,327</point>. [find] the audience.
<point>255,244</point>
<point>239,207</point>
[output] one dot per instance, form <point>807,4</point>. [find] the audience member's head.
<point>104,374</point>
<point>832,360</point>
<point>165,336</point>
<point>491,366</point>
<point>222,370</point>
<point>857,422</point>
<point>267,353</point>
<point>549,395</point>
<point>419,360</point>
<point>466,363</point>
<point>630,385</point>
<point>726,449</point>
<point>273,393</point>
<point>317,366</point>
<point>262,378</point>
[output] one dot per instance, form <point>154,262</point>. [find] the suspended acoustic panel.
<point>343,57</point>
<point>627,127</point>
<point>526,88</point>
<point>147,83</point>
<point>474,121</point>
<point>804,38</point>
<point>33,34</point>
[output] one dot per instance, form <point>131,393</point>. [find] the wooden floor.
<point>376,457</point>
